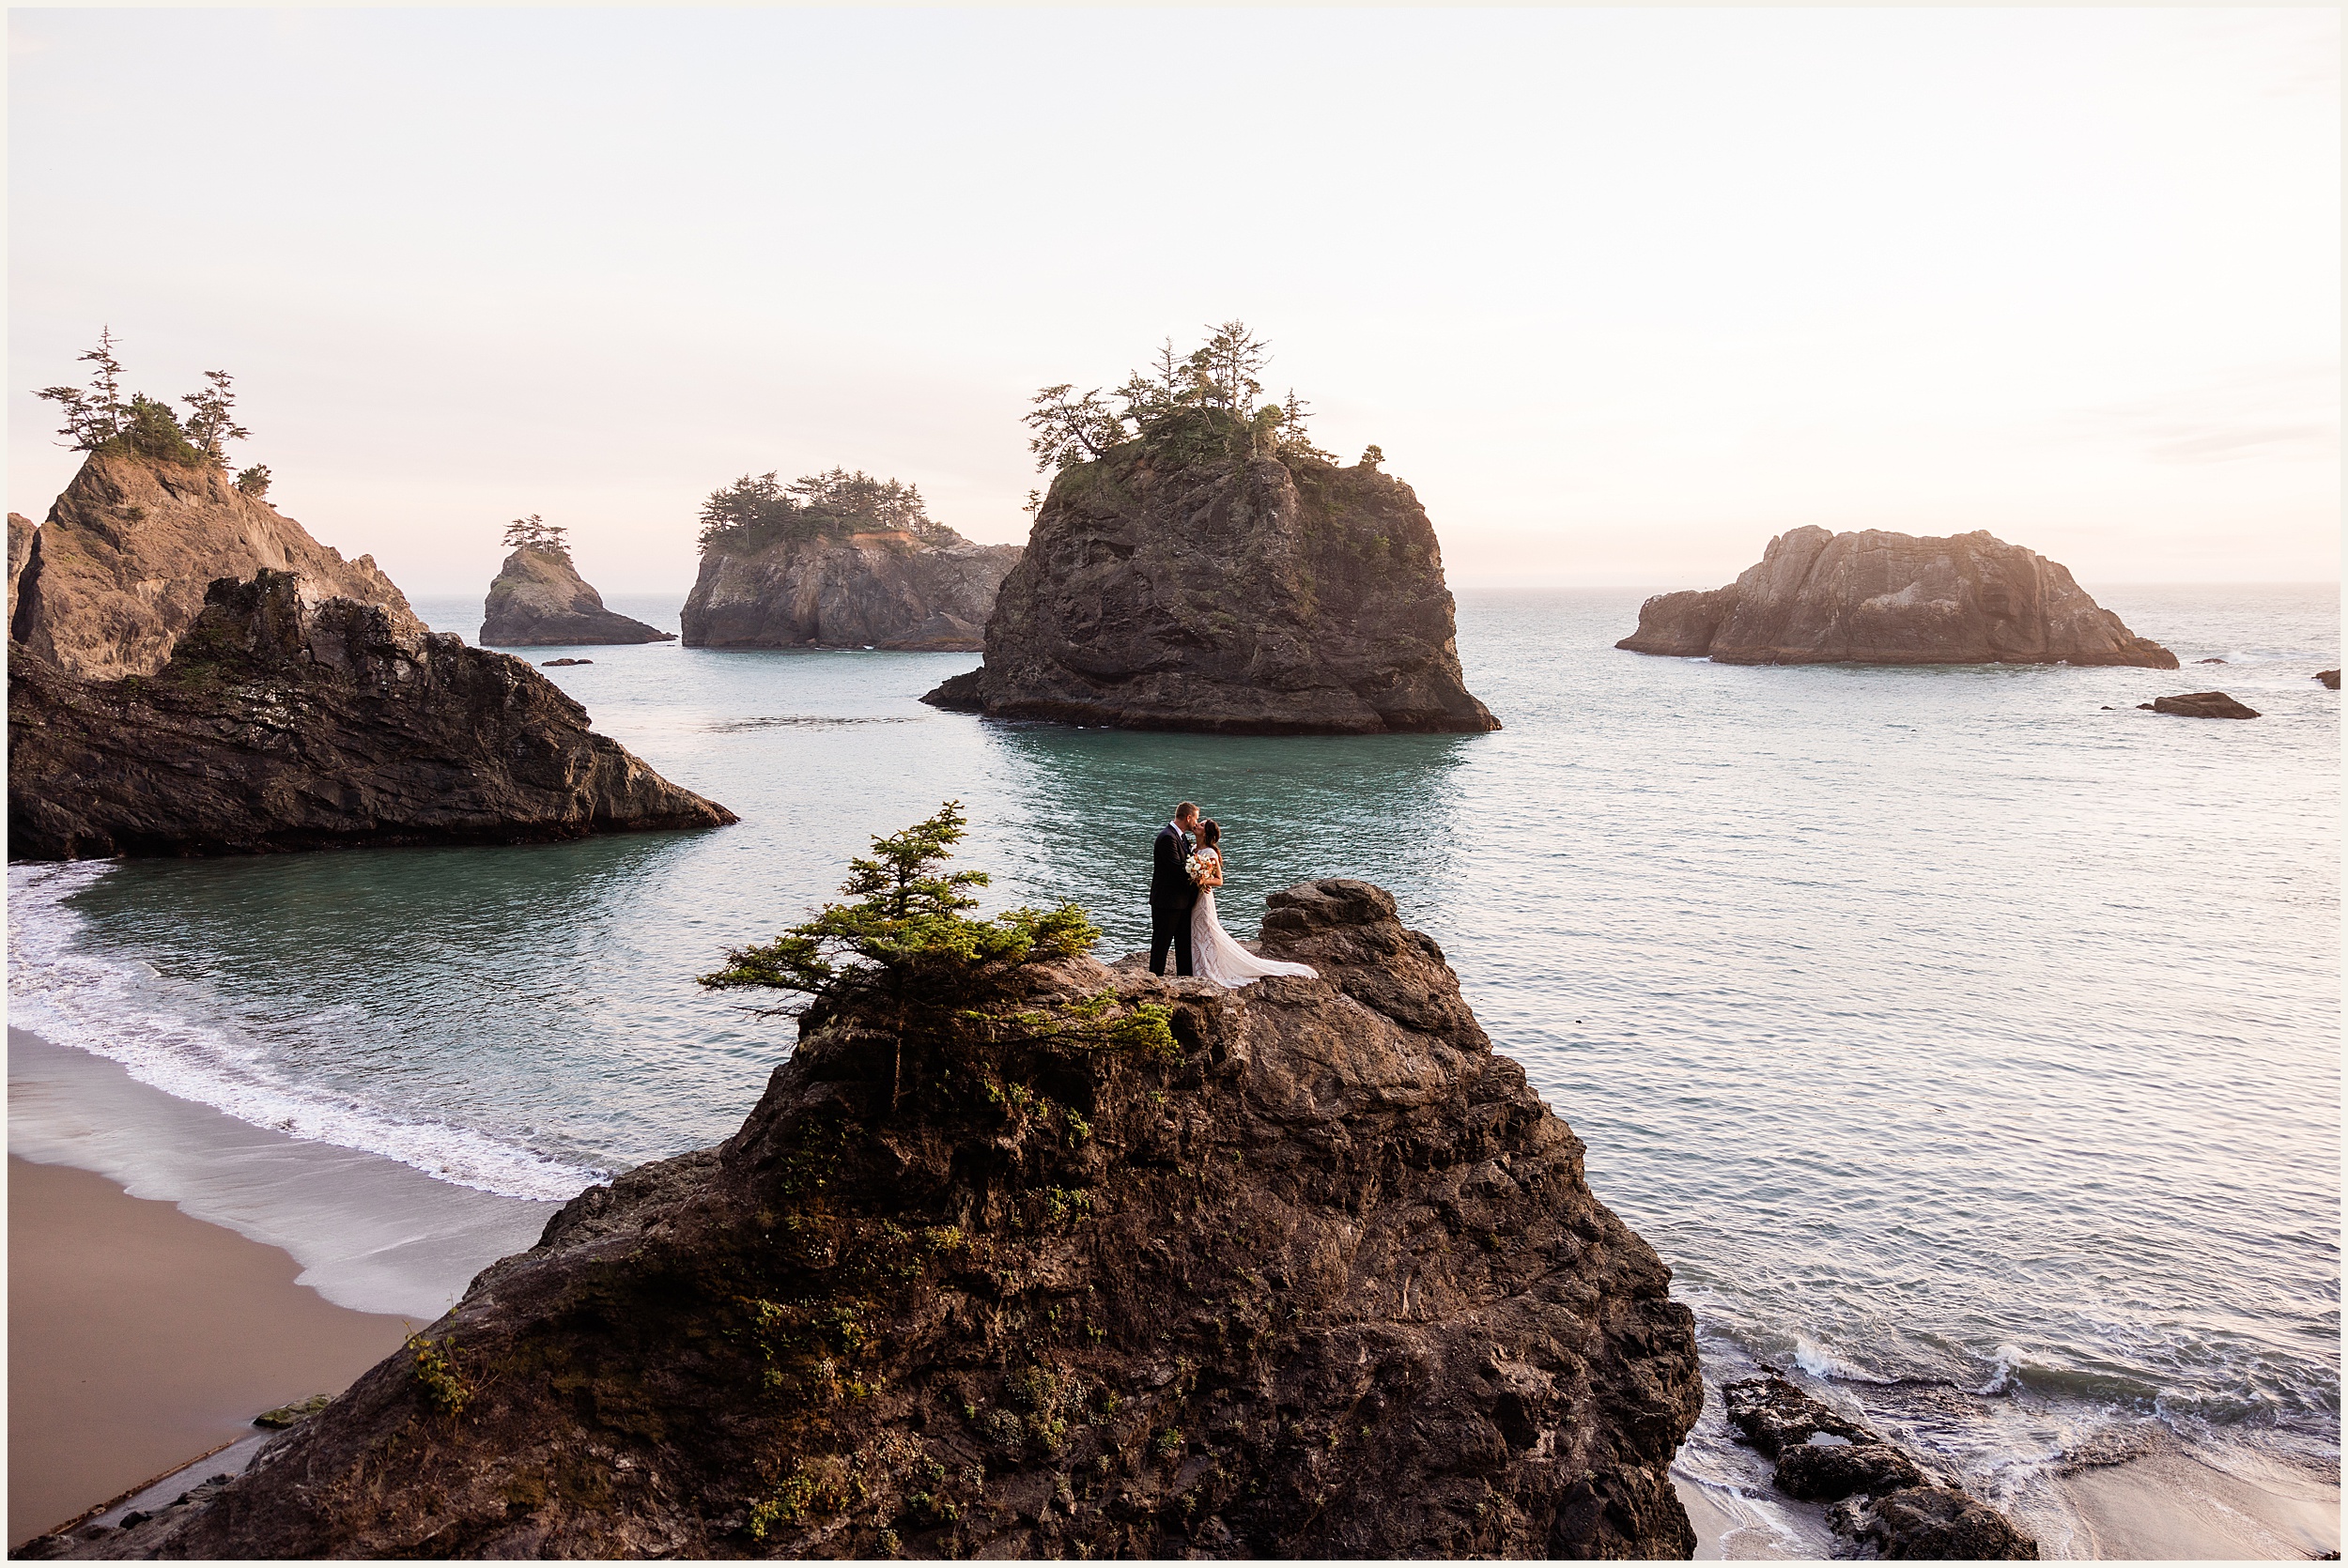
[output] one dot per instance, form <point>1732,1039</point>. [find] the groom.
<point>1171,891</point>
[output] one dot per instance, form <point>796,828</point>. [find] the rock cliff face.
<point>885,589</point>
<point>540,601</point>
<point>1264,595</point>
<point>19,553</point>
<point>283,724</point>
<point>1892,598</point>
<point>1326,1282</point>
<point>120,568</point>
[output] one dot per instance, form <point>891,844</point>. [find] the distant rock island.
<point>540,601</point>
<point>1873,597</point>
<point>1199,565</point>
<point>1077,1263</point>
<point>281,723</point>
<point>838,561</point>
<point>105,586</point>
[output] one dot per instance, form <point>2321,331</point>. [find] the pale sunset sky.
<point>1621,293</point>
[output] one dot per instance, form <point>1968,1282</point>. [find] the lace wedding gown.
<point>1214,954</point>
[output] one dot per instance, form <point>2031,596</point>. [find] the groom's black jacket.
<point>1170,886</point>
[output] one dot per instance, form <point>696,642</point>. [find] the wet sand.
<point>139,1338</point>
<point>2162,1506</point>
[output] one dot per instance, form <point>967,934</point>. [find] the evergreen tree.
<point>254,480</point>
<point>211,419</point>
<point>1295,413</point>
<point>95,416</point>
<point>907,949</point>
<point>1184,407</point>
<point>1068,429</point>
<point>753,513</point>
<point>1226,367</point>
<point>535,533</point>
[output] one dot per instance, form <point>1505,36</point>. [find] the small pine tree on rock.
<point>535,533</point>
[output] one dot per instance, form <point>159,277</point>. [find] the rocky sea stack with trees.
<point>1024,1255</point>
<point>191,673</point>
<point>837,560</point>
<point>538,599</point>
<point>105,587</point>
<point>1873,597</point>
<point>1200,564</point>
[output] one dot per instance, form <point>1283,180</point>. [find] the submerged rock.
<point>1772,1415</point>
<point>2201,704</point>
<point>558,664</point>
<point>540,601</point>
<point>1825,1472</point>
<point>887,587</point>
<point>281,724</point>
<point>1324,1280</point>
<point>1933,1523</point>
<point>1164,589</point>
<point>1824,1455</point>
<point>300,1409</point>
<point>123,565</point>
<point>1874,597</point>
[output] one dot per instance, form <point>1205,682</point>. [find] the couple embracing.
<point>1186,867</point>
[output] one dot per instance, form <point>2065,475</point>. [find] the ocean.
<point>1965,1038</point>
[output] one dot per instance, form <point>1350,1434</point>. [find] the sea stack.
<point>122,565</point>
<point>1316,1274</point>
<point>540,601</point>
<point>1874,597</point>
<point>285,723</point>
<point>838,561</point>
<point>1201,577</point>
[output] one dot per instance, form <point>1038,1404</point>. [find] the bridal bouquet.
<point>1195,868</point>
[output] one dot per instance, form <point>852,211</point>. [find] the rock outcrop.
<point>2201,704</point>
<point>283,724</point>
<point>1883,1499</point>
<point>1265,594</point>
<point>2330,679</point>
<point>1892,598</point>
<point>887,587</point>
<point>1325,1279</point>
<point>19,554</point>
<point>122,565</point>
<point>540,601</point>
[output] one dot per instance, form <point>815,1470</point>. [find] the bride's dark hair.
<point>1209,834</point>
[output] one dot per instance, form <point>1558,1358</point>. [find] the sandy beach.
<point>140,1338</point>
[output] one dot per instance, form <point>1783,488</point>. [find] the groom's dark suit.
<point>1171,896</point>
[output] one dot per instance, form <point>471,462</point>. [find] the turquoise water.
<point>1939,1027</point>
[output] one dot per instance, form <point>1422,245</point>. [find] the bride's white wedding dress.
<point>1214,956</point>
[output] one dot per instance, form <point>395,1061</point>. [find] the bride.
<point>1213,955</point>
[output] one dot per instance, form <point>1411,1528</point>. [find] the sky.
<point>1621,293</point>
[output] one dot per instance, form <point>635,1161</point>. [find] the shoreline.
<point>369,1233</point>
<point>141,1340</point>
<point>173,1271</point>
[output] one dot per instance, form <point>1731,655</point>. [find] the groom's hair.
<point>1188,808</point>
